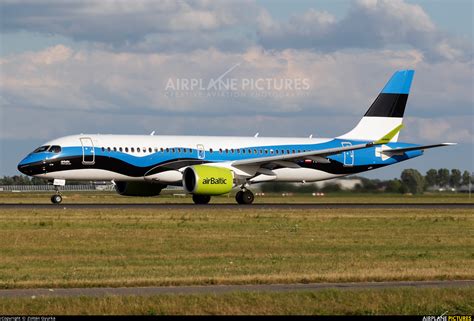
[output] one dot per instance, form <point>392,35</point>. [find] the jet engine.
<point>207,180</point>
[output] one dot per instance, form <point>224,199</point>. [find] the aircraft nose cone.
<point>23,166</point>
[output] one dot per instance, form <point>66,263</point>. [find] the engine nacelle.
<point>138,188</point>
<point>207,180</point>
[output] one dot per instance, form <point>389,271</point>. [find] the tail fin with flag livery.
<point>386,112</point>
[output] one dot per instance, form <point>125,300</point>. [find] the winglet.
<point>388,137</point>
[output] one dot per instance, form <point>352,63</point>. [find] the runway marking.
<point>218,289</point>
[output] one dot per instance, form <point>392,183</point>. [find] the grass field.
<point>363,302</point>
<point>168,197</point>
<point>109,247</point>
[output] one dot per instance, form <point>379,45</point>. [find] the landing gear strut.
<point>244,196</point>
<point>201,199</point>
<point>57,198</point>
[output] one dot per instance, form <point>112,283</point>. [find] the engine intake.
<point>207,180</point>
<point>138,188</point>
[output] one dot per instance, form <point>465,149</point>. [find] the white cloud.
<point>61,80</point>
<point>368,24</point>
<point>123,23</point>
<point>436,130</point>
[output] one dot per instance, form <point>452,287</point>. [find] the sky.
<point>126,67</point>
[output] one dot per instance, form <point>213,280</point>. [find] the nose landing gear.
<point>57,198</point>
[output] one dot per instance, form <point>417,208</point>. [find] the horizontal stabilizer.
<point>397,151</point>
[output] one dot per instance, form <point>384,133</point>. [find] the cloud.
<point>123,24</point>
<point>61,80</point>
<point>181,26</point>
<point>435,130</point>
<point>368,24</point>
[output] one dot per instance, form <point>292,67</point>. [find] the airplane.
<point>142,165</point>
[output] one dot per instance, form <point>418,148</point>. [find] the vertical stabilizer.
<point>386,112</point>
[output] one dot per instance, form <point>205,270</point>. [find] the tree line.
<point>26,180</point>
<point>410,181</point>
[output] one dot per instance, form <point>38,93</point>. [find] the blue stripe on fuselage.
<point>362,157</point>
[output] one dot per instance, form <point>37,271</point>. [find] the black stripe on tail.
<point>388,105</point>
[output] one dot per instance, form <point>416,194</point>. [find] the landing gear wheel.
<point>238,197</point>
<point>201,199</point>
<point>244,197</point>
<point>56,199</point>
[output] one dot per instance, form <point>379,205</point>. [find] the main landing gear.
<point>201,199</point>
<point>244,196</point>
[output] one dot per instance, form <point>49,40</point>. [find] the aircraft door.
<point>348,155</point>
<point>201,152</point>
<point>88,152</point>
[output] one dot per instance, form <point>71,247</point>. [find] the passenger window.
<point>149,149</point>
<point>172,149</point>
<point>232,150</point>
<point>179,150</point>
<point>162,150</point>
<point>138,149</point>
<point>126,149</point>
<point>210,150</point>
<point>103,149</point>
<point>115,149</point>
<point>220,150</point>
<point>132,149</point>
<point>108,149</point>
<point>120,149</point>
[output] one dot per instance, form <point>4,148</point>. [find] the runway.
<point>180,206</point>
<point>219,289</point>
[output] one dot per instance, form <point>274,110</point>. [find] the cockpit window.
<point>41,149</point>
<point>55,149</point>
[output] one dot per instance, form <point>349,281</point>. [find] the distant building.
<point>344,183</point>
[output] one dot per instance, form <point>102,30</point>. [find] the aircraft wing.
<point>316,154</point>
<point>287,160</point>
<point>399,151</point>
